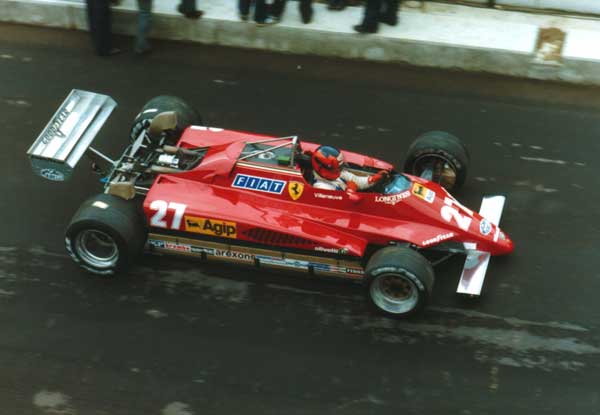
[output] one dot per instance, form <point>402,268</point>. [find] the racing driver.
<point>329,174</point>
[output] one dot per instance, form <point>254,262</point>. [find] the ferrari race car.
<point>183,188</point>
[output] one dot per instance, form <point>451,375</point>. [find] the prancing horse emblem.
<point>295,189</point>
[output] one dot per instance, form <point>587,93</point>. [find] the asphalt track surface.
<point>178,338</point>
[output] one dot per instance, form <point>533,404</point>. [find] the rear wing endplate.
<point>473,274</point>
<point>69,134</point>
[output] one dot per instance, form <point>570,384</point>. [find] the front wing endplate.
<point>473,274</point>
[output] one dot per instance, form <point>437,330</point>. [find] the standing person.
<point>305,6</point>
<point>189,10</point>
<point>261,11</point>
<point>98,13</point>
<point>376,11</point>
<point>144,23</point>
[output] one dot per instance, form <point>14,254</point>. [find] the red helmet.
<point>327,162</point>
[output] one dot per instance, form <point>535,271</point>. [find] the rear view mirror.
<point>162,122</point>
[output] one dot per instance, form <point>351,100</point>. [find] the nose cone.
<point>504,245</point>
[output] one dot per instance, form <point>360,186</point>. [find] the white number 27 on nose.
<point>449,213</point>
<point>161,207</point>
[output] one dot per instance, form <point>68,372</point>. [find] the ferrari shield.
<point>295,189</point>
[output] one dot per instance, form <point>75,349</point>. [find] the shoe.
<point>364,29</point>
<point>336,5</point>
<point>270,20</point>
<point>142,50</point>
<point>244,17</point>
<point>306,16</point>
<point>110,52</point>
<point>190,14</point>
<point>389,20</point>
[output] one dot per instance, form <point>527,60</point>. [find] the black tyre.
<point>399,281</point>
<point>106,234</point>
<point>443,155</point>
<point>186,115</point>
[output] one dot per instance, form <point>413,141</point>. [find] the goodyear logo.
<point>212,227</point>
<point>259,184</point>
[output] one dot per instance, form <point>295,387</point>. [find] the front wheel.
<point>105,234</point>
<point>399,281</point>
<point>440,157</point>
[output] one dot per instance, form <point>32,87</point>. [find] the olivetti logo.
<point>211,227</point>
<point>58,121</point>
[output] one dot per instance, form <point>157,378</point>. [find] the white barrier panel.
<point>577,6</point>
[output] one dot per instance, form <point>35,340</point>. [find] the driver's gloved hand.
<point>379,176</point>
<point>351,187</point>
<point>138,127</point>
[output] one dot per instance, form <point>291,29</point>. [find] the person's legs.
<point>244,8</point>
<point>99,12</point>
<point>277,9</point>
<point>144,24</point>
<point>188,9</point>
<point>260,11</point>
<point>370,18</point>
<point>306,10</point>
<point>389,13</point>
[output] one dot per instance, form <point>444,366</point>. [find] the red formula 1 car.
<point>182,188</point>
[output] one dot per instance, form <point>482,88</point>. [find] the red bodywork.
<point>288,214</point>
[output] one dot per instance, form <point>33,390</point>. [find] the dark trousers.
<point>98,12</point>
<point>375,9</point>
<point>278,7</point>
<point>188,6</point>
<point>260,9</point>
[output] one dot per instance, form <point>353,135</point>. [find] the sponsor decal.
<point>211,227</point>
<point>485,227</point>
<point>342,251</point>
<point>259,184</point>
<point>437,239</point>
<point>58,121</point>
<point>283,262</point>
<point>234,255</point>
<point>424,193</point>
<point>201,249</point>
<point>295,189</point>
<point>326,196</point>
<point>355,271</point>
<point>52,174</point>
<point>178,247</point>
<point>156,243</point>
<point>392,199</point>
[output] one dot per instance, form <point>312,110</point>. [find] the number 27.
<point>161,207</point>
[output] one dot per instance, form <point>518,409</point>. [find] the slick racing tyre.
<point>399,281</point>
<point>106,234</point>
<point>186,116</point>
<point>441,154</point>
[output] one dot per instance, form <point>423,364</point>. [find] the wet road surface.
<point>178,338</point>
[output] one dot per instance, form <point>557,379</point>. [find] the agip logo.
<point>211,227</point>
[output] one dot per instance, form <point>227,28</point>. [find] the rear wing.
<point>69,134</point>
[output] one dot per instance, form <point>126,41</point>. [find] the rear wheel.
<point>440,157</point>
<point>399,281</point>
<point>106,234</point>
<point>186,116</point>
